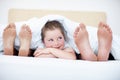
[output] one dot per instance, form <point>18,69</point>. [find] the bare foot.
<point>82,42</point>
<point>9,35</point>
<point>25,36</point>
<point>105,41</point>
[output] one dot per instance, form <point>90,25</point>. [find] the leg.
<point>25,36</point>
<point>9,35</point>
<point>105,41</point>
<point>82,42</point>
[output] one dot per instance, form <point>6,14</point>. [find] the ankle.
<point>23,52</point>
<point>8,51</point>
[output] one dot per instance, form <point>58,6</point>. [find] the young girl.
<point>53,37</point>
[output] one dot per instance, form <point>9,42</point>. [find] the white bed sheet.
<point>29,68</point>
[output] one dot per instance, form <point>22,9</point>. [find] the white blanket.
<point>36,24</point>
<point>30,68</point>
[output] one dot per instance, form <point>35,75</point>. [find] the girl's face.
<point>54,39</point>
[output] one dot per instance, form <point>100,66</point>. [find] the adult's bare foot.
<point>82,41</point>
<point>104,40</point>
<point>9,35</point>
<point>25,36</point>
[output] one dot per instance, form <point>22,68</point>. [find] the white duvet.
<point>36,24</point>
<point>30,68</point>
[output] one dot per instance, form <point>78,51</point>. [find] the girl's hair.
<point>51,25</point>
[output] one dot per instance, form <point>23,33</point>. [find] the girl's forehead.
<point>54,30</point>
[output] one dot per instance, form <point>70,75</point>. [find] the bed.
<point>30,68</point>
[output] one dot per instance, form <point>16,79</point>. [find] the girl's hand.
<point>43,53</point>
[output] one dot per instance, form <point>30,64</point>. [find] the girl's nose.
<point>56,43</point>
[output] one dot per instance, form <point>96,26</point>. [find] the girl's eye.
<point>50,40</point>
<point>59,38</point>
